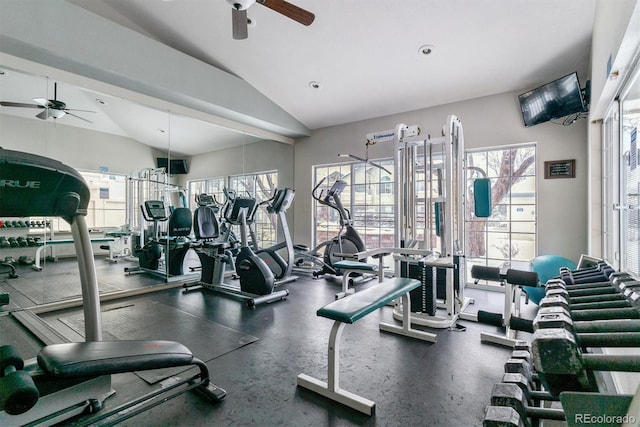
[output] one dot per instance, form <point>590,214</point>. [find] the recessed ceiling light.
<point>314,85</point>
<point>160,130</point>
<point>426,49</point>
<point>3,73</point>
<point>101,101</point>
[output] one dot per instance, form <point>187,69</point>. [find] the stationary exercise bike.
<point>257,282</point>
<point>347,241</point>
<point>171,249</point>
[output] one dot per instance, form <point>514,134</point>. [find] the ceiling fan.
<point>51,107</point>
<point>239,14</point>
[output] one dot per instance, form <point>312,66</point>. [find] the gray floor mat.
<point>156,321</point>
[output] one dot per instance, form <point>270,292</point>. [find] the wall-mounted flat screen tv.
<point>553,100</point>
<point>175,167</point>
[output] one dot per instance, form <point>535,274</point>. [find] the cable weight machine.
<point>429,220</point>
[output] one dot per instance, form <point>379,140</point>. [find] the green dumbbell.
<point>18,392</point>
<point>511,396</point>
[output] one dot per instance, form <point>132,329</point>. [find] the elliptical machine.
<point>347,241</point>
<point>280,265</point>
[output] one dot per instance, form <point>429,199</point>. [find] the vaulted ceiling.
<point>359,59</point>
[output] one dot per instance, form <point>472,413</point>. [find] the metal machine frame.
<point>411,149</point>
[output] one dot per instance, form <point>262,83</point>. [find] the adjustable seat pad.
<point>96,358</point>
<point>358,305</point>
<point>354,265</point>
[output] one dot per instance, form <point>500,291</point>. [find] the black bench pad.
<point>358,305</point>
<point>111,357</point>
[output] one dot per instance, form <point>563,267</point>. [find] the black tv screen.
<point>175,167</point>
<point>554,100</point>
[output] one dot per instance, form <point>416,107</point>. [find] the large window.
<point>260,186</point>
<point>107,204</point>
<point>509,234</point>
<point>630,177</point>
<point>212,186</point>
<point>368,196</point>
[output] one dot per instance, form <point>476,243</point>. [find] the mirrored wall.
<point>136,161</point>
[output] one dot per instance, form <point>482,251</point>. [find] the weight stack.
<point>423,298</point>
<point>433,283</point>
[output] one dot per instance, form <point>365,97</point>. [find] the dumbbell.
<point>562,366</point>
<point>511,396</point>
<point>600,297</point>
<point>18,392</point>
<point>618,281</point>
<point>25,260</point>
<point>531,392</point>
<point>13,242</point>
<point>627,309</point>
<point>597,276</point>
<point>622,295</point>
<point>599,333</point>
<point>524,368</point>
<point>4,243</point>
<point>587,270</point>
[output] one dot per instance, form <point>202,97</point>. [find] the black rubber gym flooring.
<point>413,383</point>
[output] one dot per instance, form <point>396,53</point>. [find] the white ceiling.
<point>365,54</point>
<point>185,136</point>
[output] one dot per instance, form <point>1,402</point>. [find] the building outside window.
<point>368,197</point>
<point>509,234</point>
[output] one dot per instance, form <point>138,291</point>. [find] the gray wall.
<point>255,157</point>
<point>79,148</point>
<point>488,122</point>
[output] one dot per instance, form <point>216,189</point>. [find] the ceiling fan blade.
<point>78,117</point>
<point>289,10</point>
<point>75,109</point>
<point>239,24</point>
<point>43,103</point>
<point>19,104</point>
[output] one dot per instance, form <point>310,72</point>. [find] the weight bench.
<point>95,359</point>
<point>349,310</point>
<point>42,245</point>
<point>349,267</point>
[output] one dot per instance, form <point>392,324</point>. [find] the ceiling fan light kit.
<point>51,107</point>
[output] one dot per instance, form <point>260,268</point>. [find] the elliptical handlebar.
<point>332,199</point>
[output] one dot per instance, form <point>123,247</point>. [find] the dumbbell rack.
<point>14,228</point>
<point>559,376</point>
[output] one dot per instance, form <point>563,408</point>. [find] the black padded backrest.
<point>180,222</point>
<point>232,213</point>
<point>205,223</point>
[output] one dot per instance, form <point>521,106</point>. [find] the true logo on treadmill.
<point>16,183</point>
